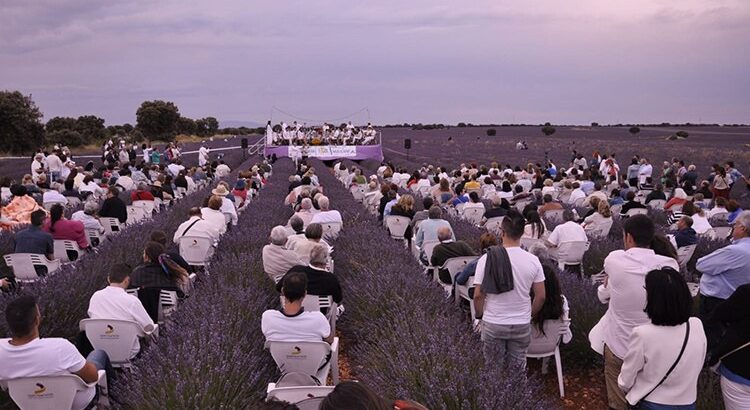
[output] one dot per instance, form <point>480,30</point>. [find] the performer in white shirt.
<point>269,134</point>
<point>284,132</point>
<point>203,155</point>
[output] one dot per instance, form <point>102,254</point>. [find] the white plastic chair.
<point>548,344</point>
<point>720,232</point>
<point>111,225</point>
<point>684,254</point>
<point>73,202</point>
<point>295,395</point>
<point>313,303</point>
<point>462,292</point>
<point>62,246</point>
<point>306,358</point>
<point>135,214</point>
<point>473,215</point>
<point>167,304</point>
<point>657,203</point>
<point>554,215</point>
<point>571,253</point>
<point>358,192</point>
<point>601,229</point>
<point>453,266</point>
<point>427,248</point>
<point>116,337</point>
<point>397,225</point>
<point>196,250</point>
<point>331,230</point>
<point>616,209</point>
<point>147,206</point>
<point>719,219</point>
<point>578,203</point>
<point>636,211</point>
<point>51,392</point>
<point>494,225</point>
<point>91,234</point>
<point>23,264</point>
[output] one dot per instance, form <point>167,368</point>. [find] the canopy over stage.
<point>327,152</point>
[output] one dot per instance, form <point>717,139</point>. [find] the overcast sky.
<point>574,61</point>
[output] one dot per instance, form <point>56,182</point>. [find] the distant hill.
<point>237,124</point>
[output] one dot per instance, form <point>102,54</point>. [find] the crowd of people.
<point>326,134</point>
<point>653,344</point>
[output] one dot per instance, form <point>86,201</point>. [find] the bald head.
<point>444,233</point>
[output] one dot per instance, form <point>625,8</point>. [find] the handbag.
<point>684,344</point>
<point>715,368</point>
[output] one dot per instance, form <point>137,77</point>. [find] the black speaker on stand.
<point>407,147</point>
<point>243,143</point>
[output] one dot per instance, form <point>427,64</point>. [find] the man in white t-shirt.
<point>568,231</point>
<point>222,170</point>
<point>577,193</point>
<point>625,291</point>
<point>25,354</point>
<point>326,215</point>
<point>203,155</point>
<point>292,323</point>
<point>114,303</point>
<point>506,316</point>
<point>196,226</point>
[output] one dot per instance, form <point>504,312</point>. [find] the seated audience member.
<point>297,232</point>
<point>113,206</point>
<point>428,229</point>
<point>720,207</point>
<point>577,193</point>
<point>125,181</point>
<point>89,187</point>
<point>734,210</point>
<point>240,192</point>
<point>62,228</point>
<point>51,197</point>
<point>549,205</point>
<point>277,259</point>
<point>26,354</point>
<point>427,203</point>
<point>485,242</point>
<point>685,235</point>
<point>657,193</point>
<point>292,323</point>
<point>599,220</point>
<point>326,214</point>
<point>733,350</point>
<point>597,193</point>
<point>19,210</point>
<point>320,282</point>
<point>87,216</point>
<point>158,270</point>
<point>499,207</point>
<point>356,395</point>
<point>688,209</point>
<point>594,207</point>
<point>143,193</point>
<point>568,231</point>
<point>157,190</point>
<point>388,195</point>
<point>670,340</point>
<point>474,202</point>
<point>700,222</point>
<point>678,198</point>
<point>615,198</point>
<point>196,226</point>
<point>405,207</point>
<point>446,249</point>
<point>313,237</point>
<point>213,215</point>
<point>114,303</point>
<point>227,205</point>
<point>505,278</point>
<point>305,212</point>
<point>223,170</point>
<point>555,306</point>
<point>160,237</point>
<point>34,240</point>
<point>631,204</point>
<point>535,227</point>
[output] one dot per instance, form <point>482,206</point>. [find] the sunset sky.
<point>406,61</point>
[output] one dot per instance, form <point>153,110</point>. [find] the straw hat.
<point>220,190</point>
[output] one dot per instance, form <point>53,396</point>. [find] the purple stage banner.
<point>328,152</point>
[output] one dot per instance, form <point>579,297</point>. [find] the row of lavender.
<point>402,338</point>
<point>212,355</point>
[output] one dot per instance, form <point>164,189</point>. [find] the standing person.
<point>724,270</point>
<point>664,357</point>
<point>505,277</point>
<point>721,184</point>
<point>146,153</point>
<point>624,291</point>
<point>733,353</point>
<point>155,156</point>
<point>203,155</point>
<point>54,165</point>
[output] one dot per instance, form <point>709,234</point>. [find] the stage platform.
<point>328,152</point>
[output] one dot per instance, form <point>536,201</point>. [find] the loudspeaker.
<point>244,143</point>
<point>407,143</point>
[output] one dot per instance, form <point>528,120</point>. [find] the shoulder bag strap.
<point>190,226</point>
<point>684,344</point>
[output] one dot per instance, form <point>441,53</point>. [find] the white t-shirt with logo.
<point>304,327</point>
<point>44,357</point>
<point>512,307</point>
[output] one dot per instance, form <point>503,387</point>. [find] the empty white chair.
<point>52,392</point>
<point>306,358</point>
<point>548,344</point>
<point>684,254</point>
<point>494,225</point>
<point>637,211</point>
<point>657,203</point>
<point>397,225</point>
<point>116,337</point>
<point>196,250</point>
<point>62,246</point>
<point>111,225</point>
<point>571,253</point>
<point>473,215</point>
<point>23,264</point>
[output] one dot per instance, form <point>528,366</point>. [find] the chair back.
<point>358,192</point>
<point>196,250</point>
<point>62,246</point>
<point>147,206</point>
<point>91,234</point>
<point>428,247</point>
<point>46,392</point>
<point>397,225</point>
<point>135,214</point>
<point>554,215</point>
<point>111,225</point>
<point>331,230</point>
<point>116,337</point>
<point>73,202</point>
<point>601,229</point>
<point>579,202</point>
<point>657,203</point>
<point>571,253</point>
<point>721,232</point>
<point>616,209</point>
<point>23,264</point>
<point>457,264</point>
<point>684,254</point>
<point>474,215</point>
<point>300,357</point>
<point>718,219</point>
<point>494,225</point>
<point>295,395</point>
<point>545,343</point>
<point>313,303</point>
<point>637,211</point>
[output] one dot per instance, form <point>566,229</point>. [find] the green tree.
<point>634,131</point>
<point>491,132</point>
<point>158,119</point>
<point>548,129</point>
<point>59,124</point>
<point>91,128</point>
<point>66,136</point>
<point>21,128</point>
<point>187,126</point>
<point>212,125</point>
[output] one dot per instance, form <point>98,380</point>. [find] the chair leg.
<point>558,365</point>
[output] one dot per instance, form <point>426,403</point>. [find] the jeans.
<point>506,344</point>
<point>100,360</point>
<point>713,328</point>
<point>647,405</point>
